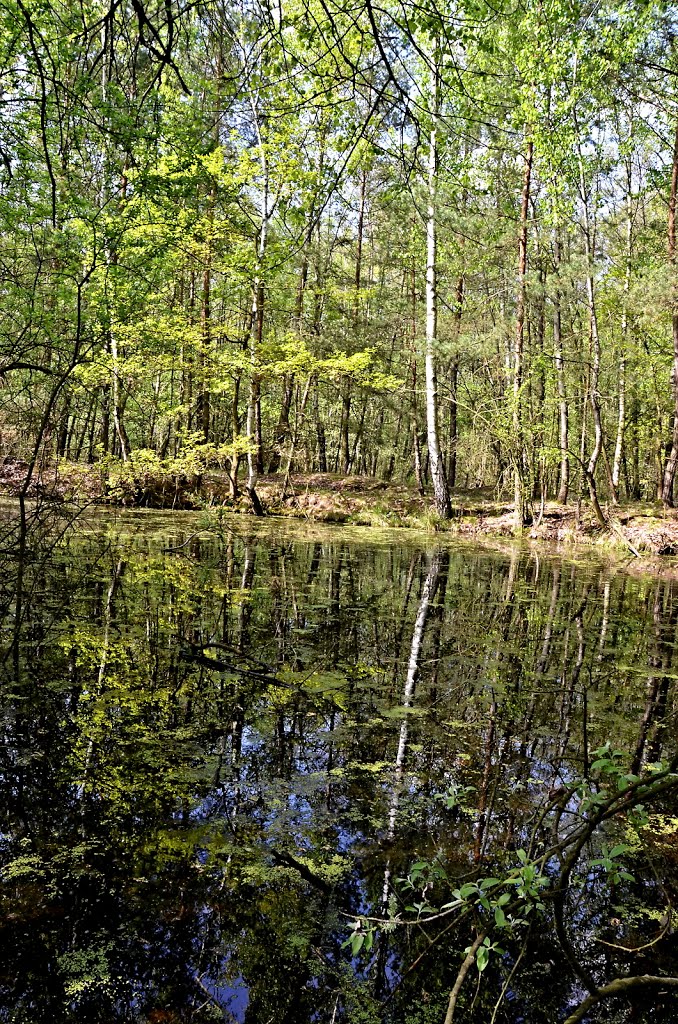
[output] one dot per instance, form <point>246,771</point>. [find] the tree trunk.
<point>282,430</point>
<point>120,431</point>
<point>360,430</point>
<point>621,402</point>
<point>203,404</point>
<point>563,418</point>
<point>538,465</point>
<point>344,438</point>
<point>300,419</point>
<point>344,451</point>
<point>521,512</point>
<point>672,460</point>
<point>105,429</point>
<point>414,412</point>
<point>440,489</point>
<point>254,454</point>
<point>428,595</point>
<point>454,381</point>
<point>594,380</point>
<point>253,405</point>
<point>319,432</point>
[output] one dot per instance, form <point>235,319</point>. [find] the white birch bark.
<point>418,633</point>
<point>256,322</point>
<point>440,488</point>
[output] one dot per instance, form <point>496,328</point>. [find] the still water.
<point>226,752</point>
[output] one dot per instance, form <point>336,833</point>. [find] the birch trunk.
<point>414,425</point>
<point>520,493</point>
<point>254,454</point>
<point>427,596</point>
<point>440,488</point>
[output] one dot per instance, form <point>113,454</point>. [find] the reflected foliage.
<point>221,749</point>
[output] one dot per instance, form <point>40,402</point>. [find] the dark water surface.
<point>218,750</point>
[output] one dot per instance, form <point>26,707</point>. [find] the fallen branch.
<point>616,528</point>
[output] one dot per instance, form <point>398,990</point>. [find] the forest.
<point>416,242</point>
<point>257,771</point>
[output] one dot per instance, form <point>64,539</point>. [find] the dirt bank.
<point>639,528</point>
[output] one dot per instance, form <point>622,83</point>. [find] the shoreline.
<point>643,532</point>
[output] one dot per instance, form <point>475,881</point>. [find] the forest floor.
<point>640,528</point>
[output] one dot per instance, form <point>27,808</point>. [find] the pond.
<point>276,774</point>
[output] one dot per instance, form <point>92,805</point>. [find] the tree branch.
<point>619,987</point>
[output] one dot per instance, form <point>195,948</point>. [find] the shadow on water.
<point>221,755</point>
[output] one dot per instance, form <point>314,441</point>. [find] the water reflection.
<point>217,752</point>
